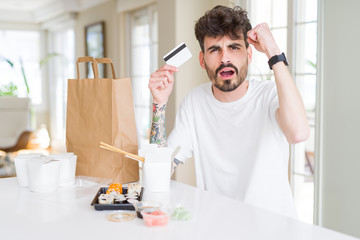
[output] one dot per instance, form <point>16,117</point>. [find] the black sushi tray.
<point>114,206</point>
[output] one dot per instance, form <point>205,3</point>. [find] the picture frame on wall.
<point>95,46</point>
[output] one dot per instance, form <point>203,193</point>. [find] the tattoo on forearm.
<point>158,131</point>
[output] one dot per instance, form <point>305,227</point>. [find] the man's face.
<point>226,61</point>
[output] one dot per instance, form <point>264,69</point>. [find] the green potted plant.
<point>11,89</point>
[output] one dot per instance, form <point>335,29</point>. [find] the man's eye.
<point>234,48</point>
<point>214,50</point>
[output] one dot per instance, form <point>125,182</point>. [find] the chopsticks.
<point>114,149</point>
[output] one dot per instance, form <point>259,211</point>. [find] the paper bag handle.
<point>93,64</point>
<point>107,60</point>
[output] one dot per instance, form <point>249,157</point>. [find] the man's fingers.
<point>251,41</point>
<point>252,33</point>
<point>168,68</point>
<point>153,85</point>
<point>158,83</point>
<point>169,75</point>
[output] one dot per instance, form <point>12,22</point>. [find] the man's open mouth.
<point>227,72</point>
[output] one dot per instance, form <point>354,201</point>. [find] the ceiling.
<point>23,5</point>
<point>39,11</point>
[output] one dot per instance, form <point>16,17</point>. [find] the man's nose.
<point>225,57</point>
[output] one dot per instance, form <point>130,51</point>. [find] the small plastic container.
<point>155,217</point>
<point>141,205</point>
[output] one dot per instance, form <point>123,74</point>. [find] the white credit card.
<point>178,55</point>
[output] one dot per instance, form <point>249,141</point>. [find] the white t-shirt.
<point>238,147</point>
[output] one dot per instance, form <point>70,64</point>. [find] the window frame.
<point>148,10</point>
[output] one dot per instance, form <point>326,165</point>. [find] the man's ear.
<point>249,52</point>
<point>201,59</point>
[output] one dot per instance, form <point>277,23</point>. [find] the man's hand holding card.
<point>161,82</point>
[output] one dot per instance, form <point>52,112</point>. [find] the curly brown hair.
<point>223,21</point>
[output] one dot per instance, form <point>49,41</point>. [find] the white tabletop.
<point>67,214</point>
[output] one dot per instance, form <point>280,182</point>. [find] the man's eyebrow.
<point>213,47</point>
<point>235,45</point>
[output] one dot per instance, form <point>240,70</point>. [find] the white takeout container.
<point>21,167</point>
<point>43,174</point>
<point>66,174</point>
<point>67,168</point>
<point>157,169</point>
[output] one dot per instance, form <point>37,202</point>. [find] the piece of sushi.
<point>119,199</point>
<point>134,187</point>
<point>115,187</point>
<point>106,199</point>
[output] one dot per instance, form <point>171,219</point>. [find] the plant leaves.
<point>24,75</point>
<point>9,90</point>
<point>47,58</point>
<point>312,64</point>
<point>8,61</point>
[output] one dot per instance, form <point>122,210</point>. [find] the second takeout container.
<point>67,168</point>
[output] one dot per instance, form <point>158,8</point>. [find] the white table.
<point>67,214</point>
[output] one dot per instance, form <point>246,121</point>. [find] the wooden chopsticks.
<point>114,149</point>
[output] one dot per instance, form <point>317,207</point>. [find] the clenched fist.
<point>263,41</point>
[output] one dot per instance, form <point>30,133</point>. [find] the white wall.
<point>191,74</point>
<point>341,116</point>
<point>105,12</point>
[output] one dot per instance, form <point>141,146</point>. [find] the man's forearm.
<point>158,131</point>
<point>291,115</point>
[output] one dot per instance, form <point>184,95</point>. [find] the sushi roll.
<point>119,199</point>
<point>115,187</point>
<point>106,199</point>
<point>134,187</point>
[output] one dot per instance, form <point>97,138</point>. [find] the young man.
<point>238,130</point>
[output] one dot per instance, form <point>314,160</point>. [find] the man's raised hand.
<point>263,41</point>
<point>161,83</point>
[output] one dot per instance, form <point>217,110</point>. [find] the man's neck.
<point>231,96</point>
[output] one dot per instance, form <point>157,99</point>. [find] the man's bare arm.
<point>291,115</point>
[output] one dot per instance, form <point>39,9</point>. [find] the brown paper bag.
<point>101,110</point>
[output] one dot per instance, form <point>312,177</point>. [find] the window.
<point>61,68</point>
<point>296,34</point>
<point>144,48</point>
<point>305,59</point>
<point>22,48</point>
<point>274,13</point>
